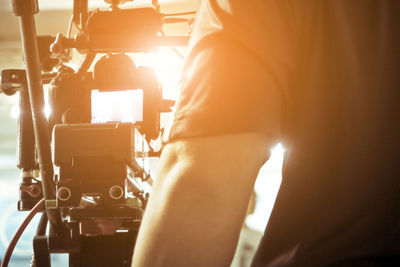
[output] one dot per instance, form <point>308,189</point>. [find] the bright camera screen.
<point>123,106</point>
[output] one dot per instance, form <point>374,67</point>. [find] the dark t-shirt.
<point>323,77</point>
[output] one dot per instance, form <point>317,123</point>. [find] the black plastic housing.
<point>92,159</point>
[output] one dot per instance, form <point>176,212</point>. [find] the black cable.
<point>7,256</point>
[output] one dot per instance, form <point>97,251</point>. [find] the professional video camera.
<point>95,196</point>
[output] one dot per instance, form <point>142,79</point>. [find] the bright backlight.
<point>15,111</point>
<point>167,66</point>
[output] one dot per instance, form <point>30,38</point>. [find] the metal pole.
<point>26,134</point>
<point>26,10</point>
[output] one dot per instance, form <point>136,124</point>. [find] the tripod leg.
<point>25,10</point>
<point>40,244</point>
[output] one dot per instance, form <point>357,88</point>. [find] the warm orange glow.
<point>167,66</point>
<point>15,111</point>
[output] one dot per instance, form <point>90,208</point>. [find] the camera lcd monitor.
<point>117,106</point>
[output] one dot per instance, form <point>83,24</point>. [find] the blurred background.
<point>54,17</point>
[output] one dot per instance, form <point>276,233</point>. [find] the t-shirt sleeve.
<point>237,71</point>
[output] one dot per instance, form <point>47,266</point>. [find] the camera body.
<point>93,148</point>
<point>93,160</point>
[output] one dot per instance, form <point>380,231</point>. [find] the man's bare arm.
<point>199,201</point>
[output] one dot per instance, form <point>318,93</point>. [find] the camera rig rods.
<point>25,10</point>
